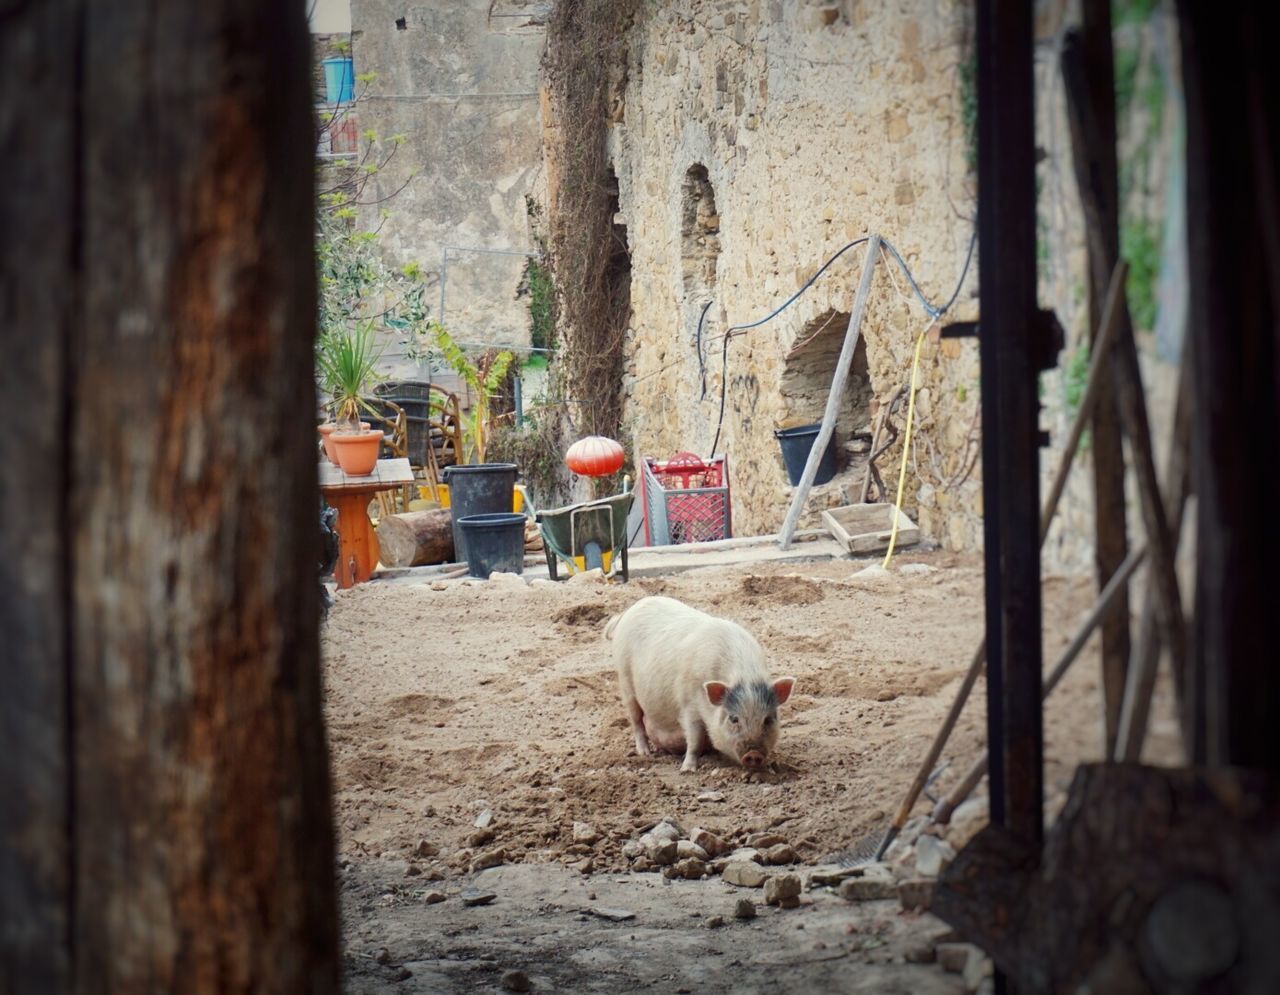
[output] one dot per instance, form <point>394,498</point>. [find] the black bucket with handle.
<point>477,489</point>
<point>796,444</point>
<point>494,542</point>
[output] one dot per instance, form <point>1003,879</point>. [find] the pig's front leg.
<point>694,731</point>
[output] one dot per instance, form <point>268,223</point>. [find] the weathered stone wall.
<point>807,125</point>
<point>756,139</point>
<point>459,79</point>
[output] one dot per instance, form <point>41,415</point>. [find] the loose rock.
<point>744,908</point>
<point>780,887</point>
<point>480,837</point>
<point>953,957</point>
<point>782,853</point>
<point>714,922</point>
<point>383,956</point>
<point>711,796</point>
<point>486,860</point>
<point>473,897</point>
<point>870,889</point>
<point>433,897</point>
<point>401,974</point>
<point>632,849</point>
<point>426,848</point>
<point>686,849</point>
<point>661,852</point>
<point>790,902</point>
<point>932,856</point>
<point>484,820</point>
<point>762,841</point>
<point>744,873</point>
<point>584,833</point>
<point>515,981</point>
<point>664,831</point>
<point>710,842</point>
<point>916,893</point>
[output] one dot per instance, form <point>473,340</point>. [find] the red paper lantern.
<point>595,456</point>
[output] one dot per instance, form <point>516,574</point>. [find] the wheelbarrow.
<point>589,535</point>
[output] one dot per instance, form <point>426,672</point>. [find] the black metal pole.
<point>1013,347</point>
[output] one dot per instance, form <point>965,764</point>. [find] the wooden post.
<point>1097,176</point>
<point>838,380</point>
<point>1232,86</point>
<point>164,801</point>
<point>1092,115</point>
<point>1010,454</point>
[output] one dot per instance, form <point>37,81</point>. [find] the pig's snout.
<point>753,760</point>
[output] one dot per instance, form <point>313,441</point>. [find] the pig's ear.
<point>715,691</point>
<point>782,688</point>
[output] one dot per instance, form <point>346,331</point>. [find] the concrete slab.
<point>658,561</point>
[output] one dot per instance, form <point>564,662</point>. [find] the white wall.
<point>329,17</point>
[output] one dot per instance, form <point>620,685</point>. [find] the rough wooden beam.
<point>834,397</point>
<point>1086,68</point>
<point>165,818</point>
<point>1232,86</point>
<point>38,308</point>
<point>1098,179</point>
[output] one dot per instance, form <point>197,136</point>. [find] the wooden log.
<point>165,820</point>
<point>416,538</point>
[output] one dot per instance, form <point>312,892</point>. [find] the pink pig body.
<point>690,680</point>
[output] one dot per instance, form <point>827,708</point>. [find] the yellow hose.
<point>906,444</point>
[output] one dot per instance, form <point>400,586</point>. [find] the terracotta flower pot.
<point>357,452</point>
<point>326,430</point>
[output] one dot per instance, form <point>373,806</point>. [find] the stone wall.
<point>459,80</point>
<point>756,140</point>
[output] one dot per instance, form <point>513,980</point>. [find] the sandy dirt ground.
<point>445,704</point>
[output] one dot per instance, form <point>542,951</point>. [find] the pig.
<point>689,681</point>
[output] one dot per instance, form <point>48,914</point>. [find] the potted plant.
<point>347,360</point>
<point>477,487</point>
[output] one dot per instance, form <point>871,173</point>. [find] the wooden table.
<point>350,496</point>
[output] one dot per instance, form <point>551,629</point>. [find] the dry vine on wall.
<point>585,72</point>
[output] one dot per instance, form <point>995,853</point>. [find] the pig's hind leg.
<point>634,712</point>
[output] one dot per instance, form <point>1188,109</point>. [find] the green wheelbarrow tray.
<point>587,535</point>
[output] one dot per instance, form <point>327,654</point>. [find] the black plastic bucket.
<point>494,542</point>
<point>796,443</point>
<point>477,489</point>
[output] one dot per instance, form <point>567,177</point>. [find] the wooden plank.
<point>863,529</point>
<point>165,823</point>
<point>38,128</point>
<point>388,472</point>
<point>834,397</point>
